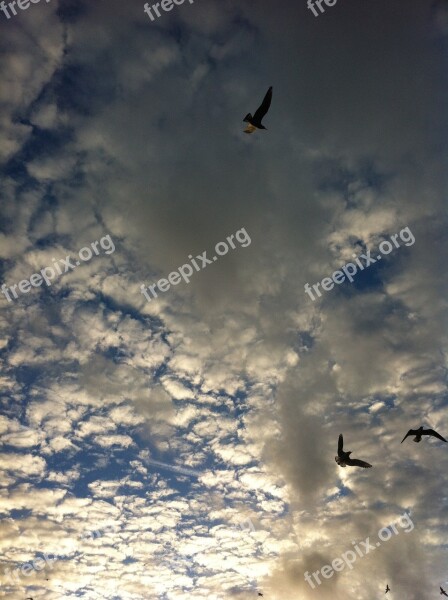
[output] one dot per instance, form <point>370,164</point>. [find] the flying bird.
<point>254,122</point>
<point>442,592</point>
<point>387,588</point>
<point>343,458</point>
<point>420,431</point>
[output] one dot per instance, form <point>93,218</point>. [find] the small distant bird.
<point>260,594</point>
<point>442,592</point>
<point>387,588</point>
<point>343,458</point>
<point>254,122</point>
<point>420,431</point>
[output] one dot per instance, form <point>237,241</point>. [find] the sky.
<point>181,444</point>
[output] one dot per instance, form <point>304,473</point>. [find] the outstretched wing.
<point>355,462</point>
<point>340,444</point>
<point>410,432</point>
<point>434,434</point>
<point>264,107</point>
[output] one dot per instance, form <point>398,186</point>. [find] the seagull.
<point>254,122</point>
<point>387,588</point>
<point>420,431</point>
<point>442,592</point>
<point>343,458</point>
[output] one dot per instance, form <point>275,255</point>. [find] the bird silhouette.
<point>387,588</point>
<point>254,122</point>
<point>442,592</point>
<point>420,431</point>
<point>343,458</point>
<point>260,594</point>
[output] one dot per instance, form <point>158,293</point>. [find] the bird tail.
<point>247,118</point>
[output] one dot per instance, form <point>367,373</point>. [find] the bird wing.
<point>264,107</point>
<point>355,462</point>
<point>434,434</point>
<point>410,432</point>
<point>340,444</point>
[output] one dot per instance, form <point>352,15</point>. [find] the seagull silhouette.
<point>442,592</point>
<point>387,588</point>
<point>254,122</point>
<point>420,431</point>
<point>343,458</point>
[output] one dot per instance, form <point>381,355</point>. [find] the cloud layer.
<point>185,446</point>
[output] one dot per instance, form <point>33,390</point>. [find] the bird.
<point>387,588</point>
<point>254,122</point>
<point>442,592</point>
<point>343,458</point>
<point>420,431</point>
<point>260,594</point>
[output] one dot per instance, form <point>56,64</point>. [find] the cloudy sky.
<point>184,447</point>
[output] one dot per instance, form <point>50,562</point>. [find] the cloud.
<point>113,125</point>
